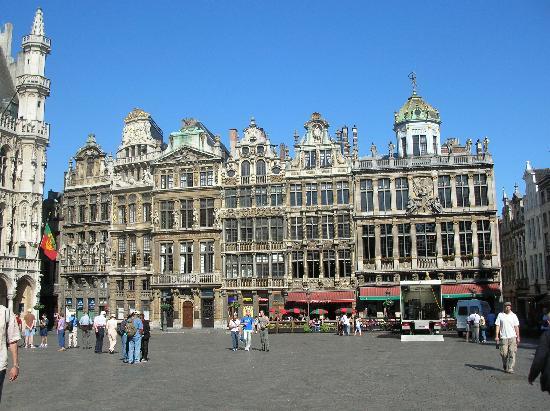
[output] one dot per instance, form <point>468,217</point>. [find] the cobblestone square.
<point>197,370</point>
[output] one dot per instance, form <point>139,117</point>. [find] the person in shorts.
<point>29,322</point>
<point>43,324</point>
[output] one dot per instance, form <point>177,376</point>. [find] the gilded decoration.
<point>423,200</point>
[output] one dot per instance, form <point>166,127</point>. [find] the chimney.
<point>233,138</point>
<point>282,152</point>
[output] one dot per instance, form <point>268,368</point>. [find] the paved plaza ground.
<point>197,370</point>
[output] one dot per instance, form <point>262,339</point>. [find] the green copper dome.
<point>416,109</point>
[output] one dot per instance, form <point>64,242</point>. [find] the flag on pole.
<point>48,243</point>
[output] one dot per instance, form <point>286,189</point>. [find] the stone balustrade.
<point>187,279</point>
<point>19,264</point>
<point>459,160</point>
<point>83,268</point>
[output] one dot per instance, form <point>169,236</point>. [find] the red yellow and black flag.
<point>48,243</point>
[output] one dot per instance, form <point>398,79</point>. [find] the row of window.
<point>426,239</point>
<point>206,254</point>
<point>127,252</point>
<point>206,178</point>
<point>186,213</point>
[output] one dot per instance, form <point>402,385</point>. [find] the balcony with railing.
<point>19,264</point>
<point>182,280</point>
<point>251,282</point>
<point>136,159</point>
<point>376,163</point>
<point>83,269</point>
<point>34,80</point>
<point>34,38</point>
<point>249,246</point>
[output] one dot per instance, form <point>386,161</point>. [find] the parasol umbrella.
<point>282,311</point>
<point>295,311</point>
<point>319,311</point>
<point>345,310</point>
<point>272,310</point>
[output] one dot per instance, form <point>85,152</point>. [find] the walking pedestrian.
<point>234,328</point>
<point>43,331</point>
<point>507,337</point>
<point>9,336</point>
<point>491,317</point>
<point>248,326</point>
<point>474,325</point>
<point>29,322</point>
<point>541,362</point>
<point>482,329</point>
<point>124,337</point>
<point>145,339</point>
<point>345,324</point>
<point>357,326</point>
<point>263,323</point>
<point>86,327</point>
<point>72,321</point>
<point>111,333</point>
<point>134,345</point>
<point>60,329</point>
<point>99,327</point>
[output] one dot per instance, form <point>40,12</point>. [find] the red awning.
<point>379,291</point>
<point>472,289</point>
<point>322,297</point>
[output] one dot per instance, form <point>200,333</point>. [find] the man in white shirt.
<point>9,335</point>
<point>473,319</point>
<point>507,334</point>
<point>345,323</point>
<point>99,327</point>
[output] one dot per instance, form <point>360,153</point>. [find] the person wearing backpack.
<point>145,339</point>
<point>134,331</point>
<point>121,330</point>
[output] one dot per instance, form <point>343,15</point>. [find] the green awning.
<point>378,298</point>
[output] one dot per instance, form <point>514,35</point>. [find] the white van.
<point>466,307</point>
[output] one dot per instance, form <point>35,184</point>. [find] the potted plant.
<point>39,307</point>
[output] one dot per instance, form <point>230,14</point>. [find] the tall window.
<point>277,265</point>
<point>262,265</point>
<point>93,208</point>
<point>207,212</point>
<point>89,167</point>
<point>231,230</point>
<point>133,250</point>
<point>82,213</point>
<point>344,263</point>
<point>186,178</point>
<point>367,195</point>
<point>327,195</point>
<point>246,262</point>
<point>146,250</point>
<point>368,242</point>
<point>261,196</point>
<point>207,257</point>
<point>329,263</point>
<point>425,240</point>
<point>122,214</point>
<point>276,195</point>
<point>444,190</point>
<point>310,159</point>
<point>245,169</point>
<point>262,229</point>
<point>166,179</point>
<point>386,241</point>
<point>230,198</point>
<point>186,213</point>
<point>146,212</point>
<point>404,240</point>
<point>434,144</point>
<point>231,266</point>
<point>166,214</point>
<point>166,258</point>
<point>206,177</point>
<point>277,229</point>
<point>465,236</point>
<point>480,189</point>
<point>402,193</point>
<point>312,227</point>
<point>186,257</point>
<point>462,191</point>
<point>484,237</point>
<point>104,207</point>
<point>311,194</point>
<point>448,238</point>
<point>3,165</point>
<point>327,227</point>
<point>245,199</point>
<point>296,228</point>
<point>313,264</point>
<point>325,158</point>
<point>384,194</point>
<point>246,229</point>
<point>132,213</point>
<point>122,251</point>
<point>260,168</point>
<point>342,192</point>
<point>295,195</point>
<point>297,261</point>
<point>420,145</point>
<point>404,146</point>
<point>343,226</point>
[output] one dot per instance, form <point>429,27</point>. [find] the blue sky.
<point>484,65</point>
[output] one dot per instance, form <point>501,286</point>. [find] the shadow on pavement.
<point>480,367</point>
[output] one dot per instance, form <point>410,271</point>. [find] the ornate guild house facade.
<point>197,231</point>
<point>24,136</point>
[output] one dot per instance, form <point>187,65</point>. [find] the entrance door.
<point>207,317</point>
<point>187,314</point>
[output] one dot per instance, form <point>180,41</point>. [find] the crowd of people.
<point>241,330</point>
<point>134,332</point>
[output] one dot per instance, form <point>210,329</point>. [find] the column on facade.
<point>393,195</point>
<point>494,242</point>
<point>471,189</point>
<point>395,238</point>
<point>377,247</point>
<point>475,245</point>
<point>456,230</point>
<point>438,244</point>
<point>375,196</point>
<point>359,246</point>
<point>454,201</point>
<point>413,244</point>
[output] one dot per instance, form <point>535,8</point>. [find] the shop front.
<point>378,302</point>
<point>308,301</point>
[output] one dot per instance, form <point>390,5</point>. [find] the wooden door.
<point>187,314</point>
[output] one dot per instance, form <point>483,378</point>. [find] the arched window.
<point>260,168</point>
<point>245,169</point>
<point>89,167</point>
<point>3,165</point>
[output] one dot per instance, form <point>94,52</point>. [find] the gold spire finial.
<point>412,77</point>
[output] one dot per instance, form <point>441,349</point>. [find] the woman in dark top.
<point>145,339</point>
<point>44,331</point>
<point>541,362</point>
